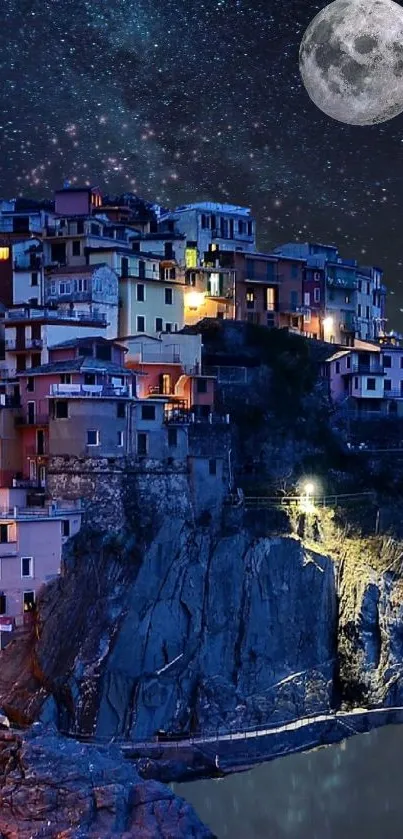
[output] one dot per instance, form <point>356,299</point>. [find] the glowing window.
<point>4,253</point>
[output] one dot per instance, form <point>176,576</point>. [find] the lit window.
<point>270,301</point>
<point>4,253</point>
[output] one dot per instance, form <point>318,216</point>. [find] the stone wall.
<point>117,491</point>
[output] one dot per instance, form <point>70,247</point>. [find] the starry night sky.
<point>181,101</point>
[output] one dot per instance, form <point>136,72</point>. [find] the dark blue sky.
<point>179,101</point>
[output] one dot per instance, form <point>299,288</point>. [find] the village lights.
<point>328,323</point>
<point>194,299</point>
<point>307,497</point>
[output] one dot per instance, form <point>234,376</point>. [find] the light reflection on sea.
<point>350,790</point>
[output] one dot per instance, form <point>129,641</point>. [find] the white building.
<point>207,224</point>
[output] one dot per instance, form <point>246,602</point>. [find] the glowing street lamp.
<point>307,497</point>
<point>194,299</point>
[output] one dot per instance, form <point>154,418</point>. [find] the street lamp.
<point>194,299</point>
<point>307,497</point>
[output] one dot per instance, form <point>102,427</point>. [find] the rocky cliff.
<point>52,787</point>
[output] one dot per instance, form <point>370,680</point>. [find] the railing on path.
<point>339,500</point>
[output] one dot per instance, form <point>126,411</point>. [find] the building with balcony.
<point>93,288</point>
<point>367,381</point>
<point>206,223</point>
<point>31,331</point>
<point>74,405</point>
<point>31,541</point>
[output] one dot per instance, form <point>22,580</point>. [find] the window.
<point>28,599</point>
<point>270,300</point>
<point>204,221</point>
<point>148,412</point>
<point>337,366</point>
<point>250,228</point>
<point>371,384</point>
<point>141,323</point>
<point>120,410</point>
<point>348,361</point>
<point>241,227</point>
<point>168,297</point>
<point>65,378</point>
<point>64,288</point>
<point>359,310</point>
<point>250,299</point>
<point>124,266</point>
<point>4,254</point>
<point>172,437</point>
<point>201,385</point>
<point>34,278</point>
<point>401,362</point>
<point>168,327</point>
<point>356,382</point>
<point>294,300</point>
<point>158,325</point>
<point>307,298</point>
<point>61,409</point>
<point>35,360</point>
<point>294,271</point>
<point>31,384</point>
<point>316,295</point>
<point>89,379</point>
<point>120,438</point>
<point>3,533</point>
<point>387,384</point>
<point>92,437</point>
<point>307,317</point>
<point>80,285</point>
<point>27,566</point>
<point>347,298</point>
<point>387,361</point>
<point>142,443</point>
<point>140,292</point>
<point>212,467</point>
<point>3,604</point>
<point>66,527</point>
<point>80,227</point>
<point>76,247</point>
<point>250,268</point>
<point>168,250</point>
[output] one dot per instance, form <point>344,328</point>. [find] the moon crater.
<point>351,60</point>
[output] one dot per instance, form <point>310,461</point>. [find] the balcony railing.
<point>392,394</point>
<point>55,314</point>
<point>364,370</point>
<point>91,391</point>
<point>20,346</point>
<point>51,511</point>
<point>183,417</point>
<point>24,418</point>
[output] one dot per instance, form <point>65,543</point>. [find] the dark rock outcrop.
<point>60,789</point>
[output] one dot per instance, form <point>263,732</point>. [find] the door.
<point>32,470</point>
<point>42,476</point>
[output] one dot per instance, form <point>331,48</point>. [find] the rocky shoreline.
<point>56,788</point>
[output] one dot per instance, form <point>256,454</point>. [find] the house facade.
<point>368,381</point>
<point>31,541</point>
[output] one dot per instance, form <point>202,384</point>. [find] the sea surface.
<point>352,790</point>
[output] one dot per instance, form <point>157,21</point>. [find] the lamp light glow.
<point>328,323</point>
<point>194,299</point>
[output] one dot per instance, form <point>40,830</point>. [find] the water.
<point>350,790</point>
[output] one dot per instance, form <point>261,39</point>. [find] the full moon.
<point>351,61</point>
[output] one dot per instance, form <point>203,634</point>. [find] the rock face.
<point>57,788</point>
<point>211,632</point>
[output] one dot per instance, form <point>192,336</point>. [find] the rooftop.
<point>80,364</point>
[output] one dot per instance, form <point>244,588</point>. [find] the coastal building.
<point>94,289</point>
<point>31,541</point>
<point>367,381</point>
<point>207,223</point>
<point>75,404</point>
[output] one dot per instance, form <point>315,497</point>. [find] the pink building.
<point>369,380</point>
<point>31,541</point>
<point>90,371</point>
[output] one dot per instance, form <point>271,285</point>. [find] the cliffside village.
<point>94,296</point>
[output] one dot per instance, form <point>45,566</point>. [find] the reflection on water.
<point>350,790</point>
